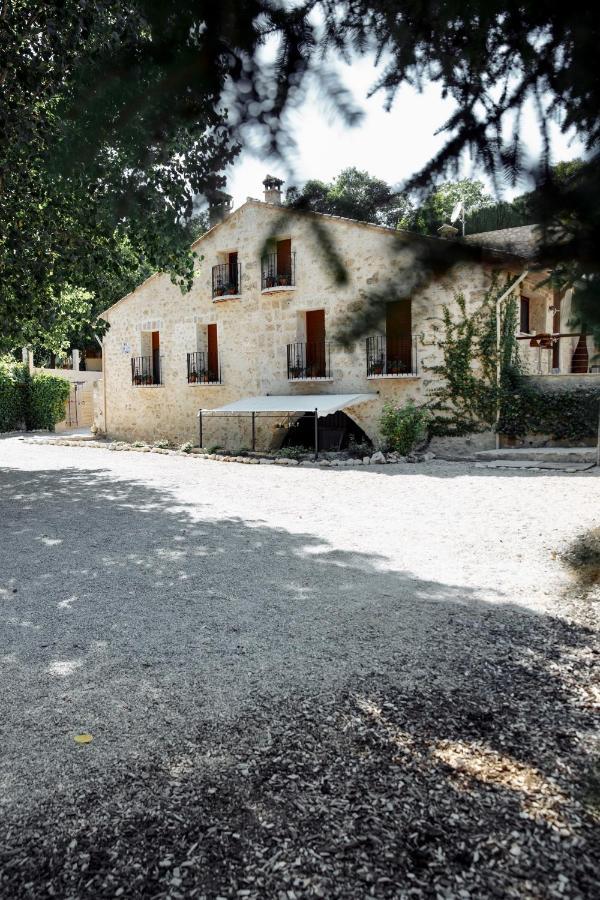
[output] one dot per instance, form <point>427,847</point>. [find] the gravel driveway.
<point>329,683</point>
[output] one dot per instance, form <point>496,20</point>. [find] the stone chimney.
<point>273,190</point>
<point>219,207</point>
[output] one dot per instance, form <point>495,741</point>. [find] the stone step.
<point>539,455</point>
<point>533,464</point>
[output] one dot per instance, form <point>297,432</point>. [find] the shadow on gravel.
<point>272,718</point>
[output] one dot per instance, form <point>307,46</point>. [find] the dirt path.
<point>299,683</point>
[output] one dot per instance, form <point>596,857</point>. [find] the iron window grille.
<point>277,276</point>
<point>391,356</point>
<point>145,370</point>
<point>200,372</point>
<point>309,360</point>
<point>226,279</point>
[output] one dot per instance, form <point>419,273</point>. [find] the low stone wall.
<point>376,459</point>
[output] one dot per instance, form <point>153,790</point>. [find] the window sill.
<point>197,384</point>
<point>226,297</point>
<point>395,377</point>
<point>279,288</point>
<point>147,386</point>
<point>302,380</point>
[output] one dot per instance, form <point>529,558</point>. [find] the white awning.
<point>293,403</point>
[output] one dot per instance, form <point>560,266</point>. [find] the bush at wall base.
<point>13,392</point>
<point>403,426</point>
<point>46,401</point>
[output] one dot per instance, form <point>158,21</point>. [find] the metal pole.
<point>200,436</point>
<point>316,433</point>
<point>254,431</point>
<point>499,300</point>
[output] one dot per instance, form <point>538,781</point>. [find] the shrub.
<point>293,452</point>
<point>187,447</point>
<point>403,426</point>
<point>46,400</point>
<point>563,414</point>
<point>162,445</point>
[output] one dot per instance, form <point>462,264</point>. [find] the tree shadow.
<point>218,662</point>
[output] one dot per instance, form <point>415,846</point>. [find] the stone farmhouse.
<point>257,333</point>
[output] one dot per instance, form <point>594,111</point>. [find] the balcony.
<point>145,371</point>
<point>202,370</point>
<point>277,275</point>
<point>391,357</point>
<point>558,354</point>
<point>309,361</point>
<point>227,281</point>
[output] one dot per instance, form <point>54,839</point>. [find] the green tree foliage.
<point>354,194</point>
<point>114,118</point>
<point>436,207</point>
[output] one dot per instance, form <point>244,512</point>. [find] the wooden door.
<point>156,357</point>
<point>284,261</point>
<point>315,343</point>
<point>213,353</point>
<point>398,336</point>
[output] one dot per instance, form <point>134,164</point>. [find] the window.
<point>203,366</point>
<point>146,368</point>
<point>226,276</point>
<point>279,266</point>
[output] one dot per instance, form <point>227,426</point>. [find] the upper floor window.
<point>278,267</point>
<point>227,277</point>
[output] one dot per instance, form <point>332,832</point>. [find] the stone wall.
<point>253,331</point>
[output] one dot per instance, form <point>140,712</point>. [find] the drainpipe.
<point>499,300</point>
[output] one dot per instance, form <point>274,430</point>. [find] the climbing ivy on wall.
<point>466,395</point>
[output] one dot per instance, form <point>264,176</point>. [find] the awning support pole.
<point>254,431</point>
<point>200,435</point>
<point>316,433</point>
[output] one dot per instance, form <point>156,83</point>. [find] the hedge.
<point>47,398</point>
<point>12,405</point>
<point>564,414</point>
<point>30,402</point>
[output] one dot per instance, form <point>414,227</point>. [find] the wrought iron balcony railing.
<point>558,354</point>
<point>309,361</point>
<point>145,370</point>
<point>227,280</point>
<point>276,274</point>
<point>199,371</point>
<point>391,357</point>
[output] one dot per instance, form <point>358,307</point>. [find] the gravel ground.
<point>299,683</point>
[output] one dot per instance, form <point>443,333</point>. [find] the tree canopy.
<point>115,117</point>
<point>354,194</point>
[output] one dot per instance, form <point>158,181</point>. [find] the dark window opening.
<point>336,432</point>
<point>524,316</point>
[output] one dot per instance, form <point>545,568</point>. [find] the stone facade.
<point>255,327</point>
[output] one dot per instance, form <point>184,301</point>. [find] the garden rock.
<point>378,458</point>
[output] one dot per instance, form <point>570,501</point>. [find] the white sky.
<point>389,145</point>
